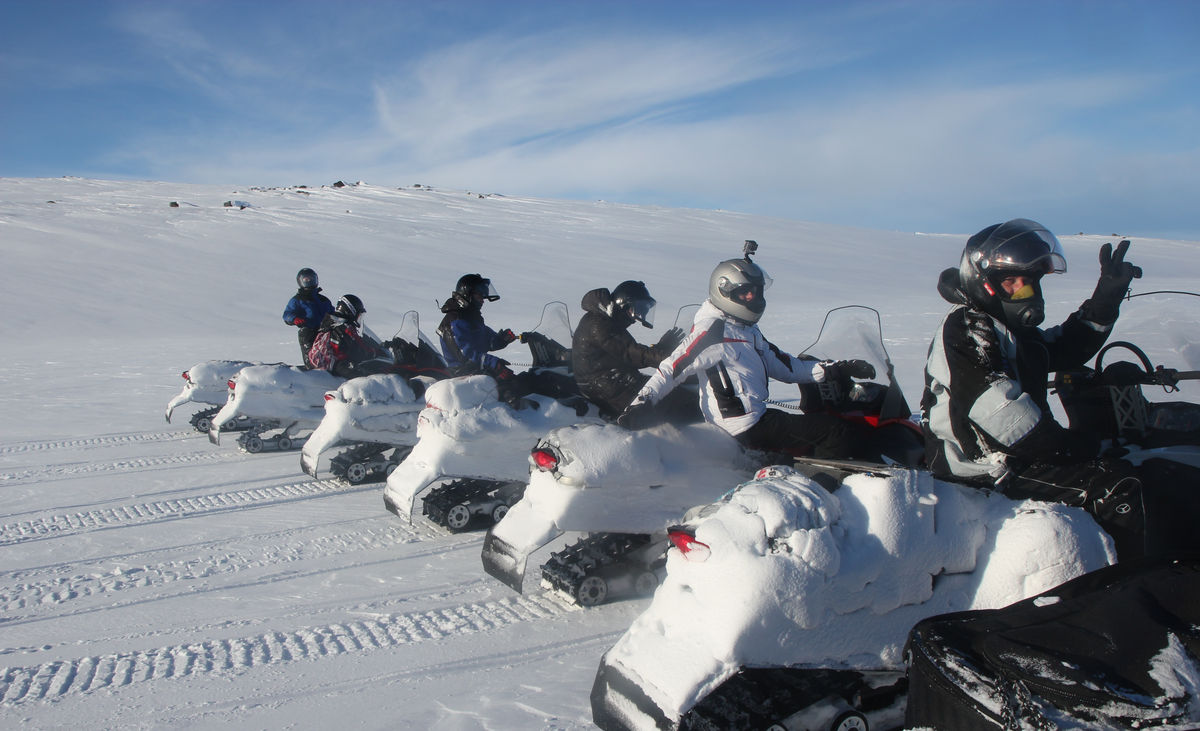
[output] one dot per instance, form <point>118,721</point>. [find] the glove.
<point>984,340</point>
<point>637,415</point>
<point>1115,276</point>
<point>298,321</point>
<point>507,336</point>
<point>843,370</point>
<point>669,341</point>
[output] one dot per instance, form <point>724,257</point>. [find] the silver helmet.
<point>736,288</point>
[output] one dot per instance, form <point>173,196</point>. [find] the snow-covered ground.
<point>152,579</point>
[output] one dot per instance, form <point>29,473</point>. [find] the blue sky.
<point>927,115</point>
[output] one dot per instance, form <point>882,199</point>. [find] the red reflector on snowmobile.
<point>186,377</point>
<point>692,549</point>
<point>231,384</point>
<point>329,396</point>
<point>544,459</point>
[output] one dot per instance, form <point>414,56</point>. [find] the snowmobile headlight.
<point>692,549</point>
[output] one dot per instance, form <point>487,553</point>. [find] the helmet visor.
<point>1034,252</point>
<point>642,310</point>
<point>485,290</point>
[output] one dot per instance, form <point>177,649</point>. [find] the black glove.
<point>984,340</point>
<point>669,341</point>
<point>1115,276</point>
<point>844,370</point>
<point>638,415</point>
<point>507,336</point>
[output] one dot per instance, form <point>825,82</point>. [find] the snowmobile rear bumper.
<point>503,561</point>
<point>619,702</point>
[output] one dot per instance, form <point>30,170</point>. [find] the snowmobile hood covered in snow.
<point>793,575</point>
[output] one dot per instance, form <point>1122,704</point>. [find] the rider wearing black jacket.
<point>985,412</point>
<point>605,358</point>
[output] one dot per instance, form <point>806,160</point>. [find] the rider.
<point>340,345</point>
<point>734,361</point>
<point>466,339</point>
<point>306,310</point>
<point>985,413</point>
<point>604,355</point>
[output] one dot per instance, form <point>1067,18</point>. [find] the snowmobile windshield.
<point>555,323</point>
<point>410,331</point>
<point>854,332</point>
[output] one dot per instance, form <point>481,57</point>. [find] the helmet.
<point>470,285</point>
<point>350,308</point>
<point>306,278</point>
<point>632,301</point>
<point>736,288</point>
<point>1017,248</point>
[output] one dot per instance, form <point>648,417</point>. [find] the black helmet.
<point>470,285</point>
<point>632,301</point>
<point>1019,247</point>
<point>306,278</point>
<point>736,288</point>
<point>350,308</point>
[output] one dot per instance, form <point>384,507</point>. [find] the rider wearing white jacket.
<point>734,363</point>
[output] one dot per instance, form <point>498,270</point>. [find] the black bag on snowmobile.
<point>1117,648</point>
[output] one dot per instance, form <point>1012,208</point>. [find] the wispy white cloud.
<point>781,120</point>
<point>495,92</point>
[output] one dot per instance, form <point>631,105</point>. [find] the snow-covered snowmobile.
<point>374,418</point>
<point>476,444</point>
<point>207,382</point>
<point>824,651</point>
<point>786,605</point>
<point>624,489</point>
<point>288,402</point>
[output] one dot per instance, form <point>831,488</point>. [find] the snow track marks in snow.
<point>53,526</point>
<point>58,678</point>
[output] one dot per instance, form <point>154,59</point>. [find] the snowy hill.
<point>153,579</point>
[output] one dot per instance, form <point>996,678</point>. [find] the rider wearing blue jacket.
<point>466,340</point>
<point>306,310</point>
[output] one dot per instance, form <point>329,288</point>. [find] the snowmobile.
<point>373,418</point>
<point>623,489</point>
<point>769,669</point>
<point>207,383</point>
<point>286,402</point>
<point>787,605</point>
<point>289,401</point>
<point>475,443</point>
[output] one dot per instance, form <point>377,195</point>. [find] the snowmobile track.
<point>54,526</point>
<point>51,680</point>
<point>81,469</point>
<point>38,591</point>
<point>110,440</point>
